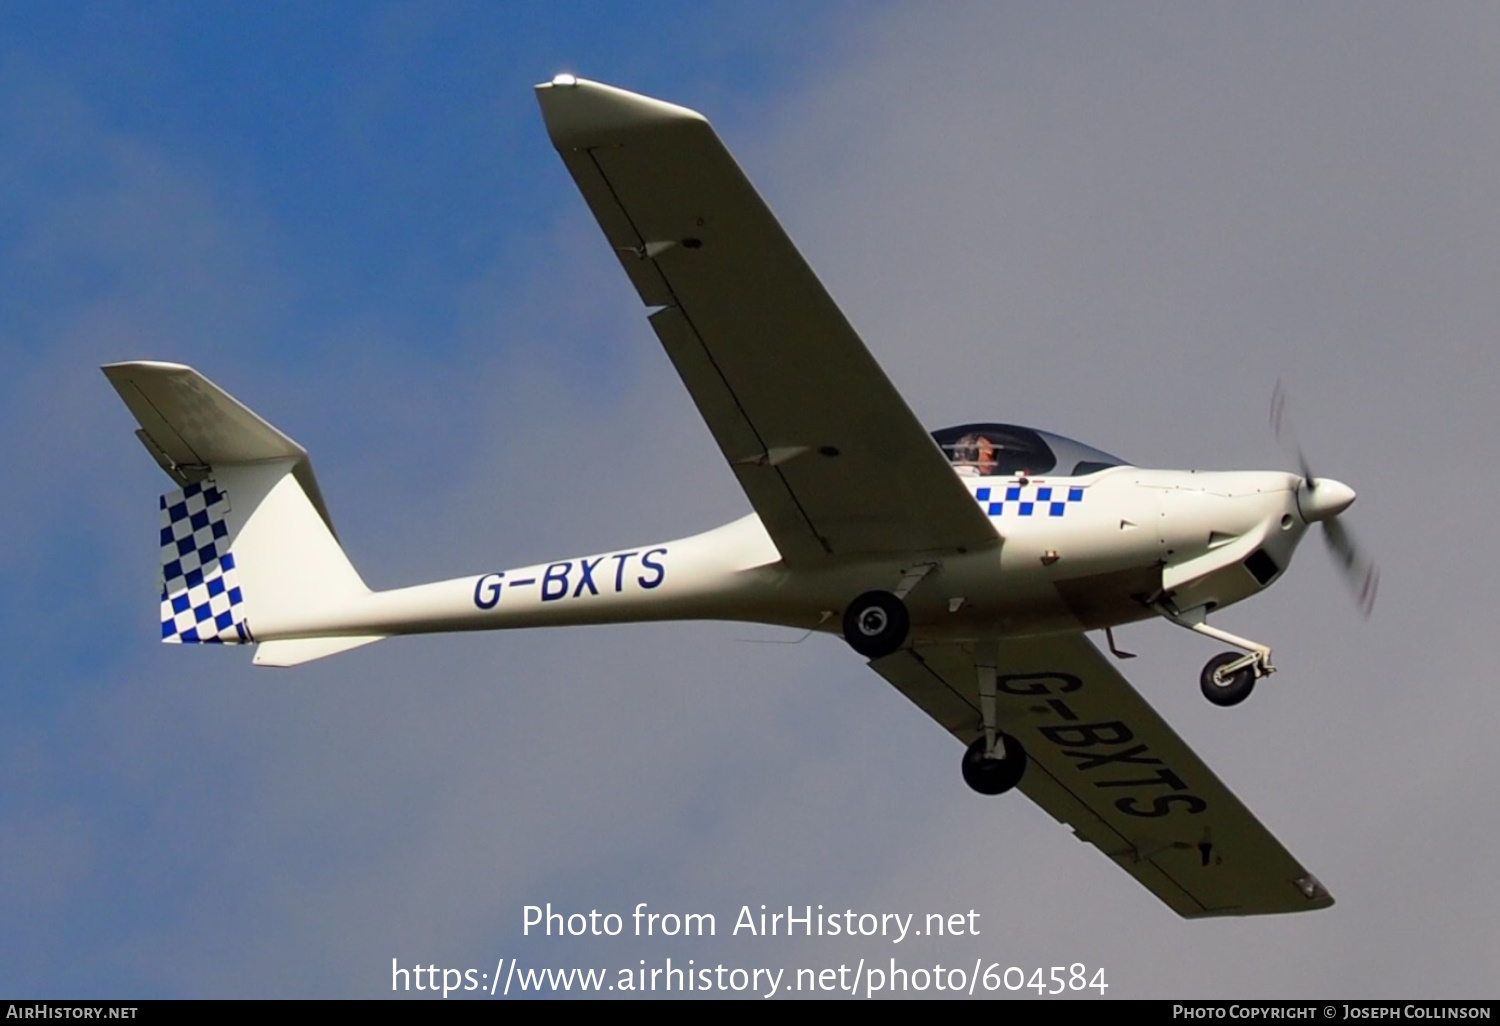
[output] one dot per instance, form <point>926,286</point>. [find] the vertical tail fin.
<point>248,552</point>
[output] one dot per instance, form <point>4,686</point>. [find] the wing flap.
<point>1104,762</point>
<point>761,478</point>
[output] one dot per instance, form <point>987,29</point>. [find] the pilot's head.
<point>985,455</point>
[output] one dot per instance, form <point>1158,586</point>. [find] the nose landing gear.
<point>1223,686</point>
<point>1228,678</point>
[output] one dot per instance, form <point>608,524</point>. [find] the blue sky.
<point>1121,226</point>
<point>400,132</point>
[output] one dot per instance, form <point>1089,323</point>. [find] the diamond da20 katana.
<point>966,565</point>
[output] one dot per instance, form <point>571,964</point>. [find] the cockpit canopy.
<point>1006,449</point>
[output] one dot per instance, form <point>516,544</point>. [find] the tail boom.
<point>248,552</point>
<point>722,573</point>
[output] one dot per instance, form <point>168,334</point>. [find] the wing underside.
<point>1102,761</point>
<point>829,454</point>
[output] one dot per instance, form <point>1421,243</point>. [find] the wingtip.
<point>580,113</point>
<point>1316,894</point>
<point>125,366</point>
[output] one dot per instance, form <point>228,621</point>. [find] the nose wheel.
<point>1223,685</point>
<point>1228,678</point>
<point>876,624</point>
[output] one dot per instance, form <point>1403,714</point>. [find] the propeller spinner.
<point>1320,501</point>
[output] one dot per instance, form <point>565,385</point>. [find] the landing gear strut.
<point>1228,678</point>
<point>995,762</point>
<point>876,624</point>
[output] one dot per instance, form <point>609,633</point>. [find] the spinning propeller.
<point>1321,500</point>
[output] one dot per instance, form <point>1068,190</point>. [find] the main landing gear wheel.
<point>1227,689</point>
<point>876,624</point>
<point>994,776</point>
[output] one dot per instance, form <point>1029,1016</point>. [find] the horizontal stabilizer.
<point>189,425</point>
<point>192,420</point>
<point>305,650</point>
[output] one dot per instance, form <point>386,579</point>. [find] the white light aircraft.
<point>966,565</point>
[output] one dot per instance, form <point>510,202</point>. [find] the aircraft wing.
<point>831,457</point>
<point>1102,761</point>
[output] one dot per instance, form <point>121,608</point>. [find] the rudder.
<point>201,600</point>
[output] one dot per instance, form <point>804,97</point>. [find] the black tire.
<point>994,776</point>
<point>876,624</point>
<point>1234,689</point>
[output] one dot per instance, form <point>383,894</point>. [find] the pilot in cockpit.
<point>985,450</point>
<point>974,456</point>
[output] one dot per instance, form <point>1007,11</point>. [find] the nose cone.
<point>1323,499</point>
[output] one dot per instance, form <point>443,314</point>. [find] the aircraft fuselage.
<point>1070,554</point>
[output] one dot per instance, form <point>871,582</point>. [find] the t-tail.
<point>249,554</point>
<point>247,545</point>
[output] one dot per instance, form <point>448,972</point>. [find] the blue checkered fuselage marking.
<point>200,591</point>
<point>1020,500</point>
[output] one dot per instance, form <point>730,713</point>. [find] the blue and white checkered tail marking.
<point>200,592</point>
